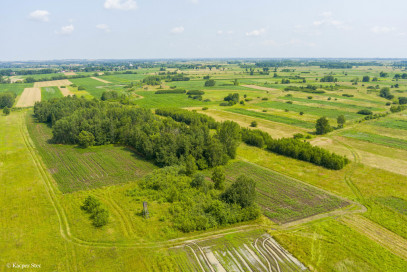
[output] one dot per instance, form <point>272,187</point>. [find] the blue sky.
<point>96,29</point>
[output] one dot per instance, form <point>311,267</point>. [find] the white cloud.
<point>328,20</point>
<point>256,32</point>
<point>177,30</point>
<point>120,4</point>
<point>66,30</point>
<point>103,27</point>
<point>39,15</point>
<point>382,29</point>
<point>220,32</point>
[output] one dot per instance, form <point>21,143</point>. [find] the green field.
<point>152,100</point>
<point>272,117</point>
<point>76,169</point>
<point>331,113</point>
<point>16,88</point>
<point>375,138</point>
<point>283,199</point>
<point>93,87</point>
<point>50,92</point>
<point>392,123</point>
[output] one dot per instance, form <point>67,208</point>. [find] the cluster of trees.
<point>385,93</point>
<point>98,214</point>
<point>196,92</point>
<point>210,83</point>
<point>329,78</point>
<point>152,80</point>
<point>58,77</point>
<point>109,95</point>
<point>232,99</point>
<point>398,108</point>
<point>197,203</point>
<point>172,91</point>
<point>162,140</point>
<point>402,100</point>
<point>7,100</point>
<point>307,89</point>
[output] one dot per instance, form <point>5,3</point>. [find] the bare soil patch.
<point>65,91</point>
<point>101,80</point>
<point>29,97</point>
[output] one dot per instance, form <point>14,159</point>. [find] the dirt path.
<point>65,91</point>
<point>52,83</point>
<point>101,80</point>
<point>29,97</point>
<point>260,88</point>
<point>389,240</point>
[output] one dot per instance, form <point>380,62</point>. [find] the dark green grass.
<point>274,118</point>
<point>391,123</point>
<point>16,88</point>
<point>376,139</point>
<point>395,203</point>
<point>331,103</point>
<point>152,100</point>
<point>282,198</point>
<point>90,86</point>
<point>382,103</point>
<point>50,92</point>
<point>77,169</point>
<point>331,113</point>
<point>123,78</point>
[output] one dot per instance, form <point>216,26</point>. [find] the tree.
<point>100,217</point>
<point>190,165</point>
<point>385,93</point>
<point>366,78</point>
<point>218,177</point>
<point>90,204</point>
<point>242,192</point>
<point>210,83</point>
<point>341,121</point>
<point>229,135</point>
<point>402,100</point>
<point>236,82</point>
<point>253,124</point>
<point>198,181</point>
<point>6,111</point>
<point>86,139</point>
<point>322,126</point>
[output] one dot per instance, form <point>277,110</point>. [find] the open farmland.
<point>50,92</point>
<point>101,80</point>
<point>29,97</point>
<point>75,169</point>
<point>63,82</point>
<point>283,199</point>
<point>65,91</point>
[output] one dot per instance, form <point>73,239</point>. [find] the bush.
<point>298,136</point>
<point>242,192</point>
<point>205,108</point>
<point>81,88</point>
<point>253,124</point>
<point>6,111</point>
<point>98,214</point>
<point>265,98</point>
<point>86,139</point>
<point>196,92</point>
<point>173,91</point>
<point>365,112</point>
<point>210,83</point>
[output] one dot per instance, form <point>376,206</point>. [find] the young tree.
<point>242,192</point>
<point>236,82</point>
<point>6,111</point>
<point>366,78</point>
<point>210,83</point>
<point>341,121</point>
<point>322,126</point>
<point>86,139</point>
<point>198,181</point>
<point>253,124</point>
<point>190,165</point>
<point>218,177</point>
<point>229,134</point>
<point>100,217</point>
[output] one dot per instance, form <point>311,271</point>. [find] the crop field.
<point>16,88</point>
<point>75,169</point>
<point>93,87</point>
<point>29,97</point>
<point>392,123</point>
<point>375,138</point>
<point>152,100</point>
<point>274,118</point>
<point>50,92</point>
<point>318,111</point>
<point>283,199</point>
<point>253,252</point>
<point>63,82</point>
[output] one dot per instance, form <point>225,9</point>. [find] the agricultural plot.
<point>152,100</point>
<point>16,88</point>
<point>333,104</point>
<point>29,97</point>
<point>50,92</point>
<point>283,199</point>
<point>391,123</point>
<point>101,80</point>
<point>76,169</point>
<point>65,91</point>
<point>62,82</point>
<point>317,111</point>
<point>93,87</point>
<point>375,138</point>
<point>243,253</point>
<point>274,118</point>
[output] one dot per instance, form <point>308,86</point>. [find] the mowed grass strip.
<point>282,198</point>
<point>77,169</point>
<point>274,118</point>
<point>331,113</point>
<point>329,103</point>
<point>50,92</point>
<point>377,139</point>
<point>152,100</point>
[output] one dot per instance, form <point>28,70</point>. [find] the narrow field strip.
<point>101,80</point>
<point>376,138</point>
<point>394,243</point>
<point>29,97</point>
<point>51,83</point>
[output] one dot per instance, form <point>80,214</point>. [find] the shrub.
<point>81,88</point>
<point>86,139</point>
<point>365,112</point>
<point>6,111</point>
<point>205,108</point>
<point>210,83</point>
<point>253,124</point>
<point>195,92</point>
<point>173,91</point>
<point>242,192</point>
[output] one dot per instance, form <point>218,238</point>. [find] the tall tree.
<point>218,177</point>
<point>229,134</point>
<point>341,121</point>
<point>322,126</point>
